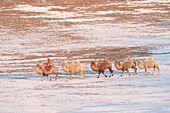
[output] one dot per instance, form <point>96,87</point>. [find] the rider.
<point>48,64</point>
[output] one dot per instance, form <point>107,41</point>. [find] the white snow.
<point>24,92</point>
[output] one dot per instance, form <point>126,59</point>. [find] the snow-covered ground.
<point>135,24</point>
<point>140,94</point>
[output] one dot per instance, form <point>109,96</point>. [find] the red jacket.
<point>48,64</point>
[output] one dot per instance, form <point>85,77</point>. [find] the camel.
<point>101,67</point>
<point>126,65</point>
<point>42,71</point>
<point>74,67</point>
<point>148,64</point>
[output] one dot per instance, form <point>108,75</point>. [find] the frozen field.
<point>83,31</point>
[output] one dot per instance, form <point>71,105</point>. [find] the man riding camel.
<point>48,64</point>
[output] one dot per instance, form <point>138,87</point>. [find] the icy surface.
<point>55,31</point>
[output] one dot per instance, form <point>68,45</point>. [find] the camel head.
<point>118,65</point>
<point>93,63</point>
<point>116,62</point>
<point>38,66</point>
<point>38,69</point>
<point>65,67</point>
<point>140,64</point>
<point>78,62</point>
<point>64,63</point>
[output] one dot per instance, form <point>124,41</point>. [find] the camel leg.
<point>128,71</point>
<point>122,72</point>
<point>81,75</point>
<point>71,76</point>
<point>104,73</point>
<point>98,74</point>
<point>74,76</point>
<point>146,70</point>
<point>135,69</point>
<point>42,78</point>
<point>84,75</point>
<point>111,72</point>
<point>154,69</point>
<point>56,76</point>
<point>49,77</point>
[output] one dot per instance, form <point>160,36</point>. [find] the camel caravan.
<point>100,67</point>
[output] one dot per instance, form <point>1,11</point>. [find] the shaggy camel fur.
<point>126,65</point>
<point>101,67</point>
<point>148,64</point>
<point>42,71</point>
<point>74,67</point>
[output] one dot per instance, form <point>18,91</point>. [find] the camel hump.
<point>72,62</point>
<point>116,61</point>
<point>100,61</point>
<point>147,59</point>
<point>78,62</point>
<point>92,62</point>
<point>152,59</point>
<point>124,60</point>
<point>106,61</point>
<point>131,60</point>
<point>64,62</point>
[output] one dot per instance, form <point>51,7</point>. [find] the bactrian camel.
<point>126,65</point>
<point>148,64</point>
<point>74,67</point>
<point>44,72</point>
<point>101,67</point>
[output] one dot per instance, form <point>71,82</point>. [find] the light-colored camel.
<point>74,67</point>
<point>101,67</point>
<point>126,65</point>
<point>148,64</point>
<point>44,72</point>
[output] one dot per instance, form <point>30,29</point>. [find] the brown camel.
<point>43,71</point>
<point>126,65</point>
<point>148,64</point>
<point>74,67</point>
<point>101,67</point>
